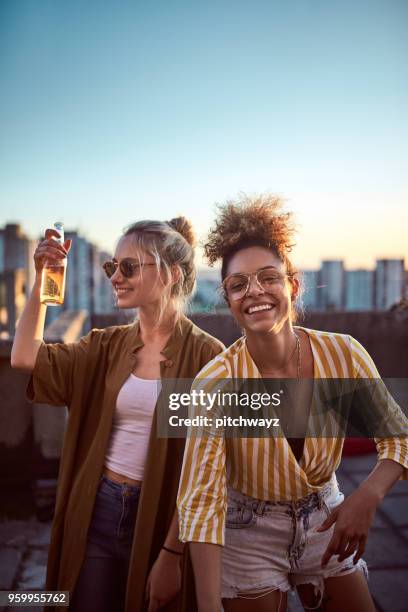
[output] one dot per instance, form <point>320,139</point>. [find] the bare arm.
<point>384,475</point>
<point>164,581</point>
<point>354,516</point>
<point>30,329</point>
<point>206,560</point>
<point>172,538</point>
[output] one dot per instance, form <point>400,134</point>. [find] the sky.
<point>111,112</point>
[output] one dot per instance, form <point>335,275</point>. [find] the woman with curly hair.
<point>114,543</point>
<point>266,513</point>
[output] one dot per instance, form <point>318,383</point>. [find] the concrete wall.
<point>31,435</point>
<point>16,433</point>
<point>383,334</point>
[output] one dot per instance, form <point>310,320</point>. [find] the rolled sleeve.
<point>395,449</point>
<point>202,496</point>
<point>385,409</point>
<point>53,377</point>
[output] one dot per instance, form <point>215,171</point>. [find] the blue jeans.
<point>101,585</point>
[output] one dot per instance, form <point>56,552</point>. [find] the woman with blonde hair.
<point>265,513</point>
<point>114,543</point>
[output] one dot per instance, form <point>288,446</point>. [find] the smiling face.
<point>147,285</point>
<point>261,310</point>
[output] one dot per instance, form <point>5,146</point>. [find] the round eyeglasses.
<point>236,286</point>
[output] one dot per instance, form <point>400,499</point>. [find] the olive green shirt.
<point>86,376</point>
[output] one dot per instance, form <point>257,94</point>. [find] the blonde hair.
<point>171,244</point>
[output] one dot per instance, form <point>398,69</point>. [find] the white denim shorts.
<point>274,546</point>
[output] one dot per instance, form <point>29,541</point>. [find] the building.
<point>207,296</point>
<point>389,283</point>
<point>310,289</point>
<point>331,283</point>
<point>14,278</point>
<point>30,269</point>
<point>79,287</point>
<point>103,293</point>
<point>86,285</point>
<point>12,299</point>
<point>13,248</point>
<point>359,290</point>
<point>86,288</point>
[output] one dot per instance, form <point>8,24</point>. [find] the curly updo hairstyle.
<point>171,244</point>
<point>251,221</point>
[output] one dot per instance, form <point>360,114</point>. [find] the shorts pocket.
<point>330,504</point>
<point>240,517</point>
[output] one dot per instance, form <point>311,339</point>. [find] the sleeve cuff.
<point>205,535</point>
<point>397,451</point>
<point>33,390</point>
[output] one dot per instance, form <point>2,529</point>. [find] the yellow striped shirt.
<point>266,468</point>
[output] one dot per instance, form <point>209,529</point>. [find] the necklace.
<point>299,360</point>
<point>287,416</point>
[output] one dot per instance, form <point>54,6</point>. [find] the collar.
<point>174,342</point>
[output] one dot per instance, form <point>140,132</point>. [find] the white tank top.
<point>132,422</point>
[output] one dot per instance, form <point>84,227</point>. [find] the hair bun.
<point>183,227</point>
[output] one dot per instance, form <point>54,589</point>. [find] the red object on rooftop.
<point>358,446</point>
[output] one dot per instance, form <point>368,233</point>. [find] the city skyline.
<point>111,113</point>
<point>330,288</point>
<point>18,236</point>
<point>369,264</point>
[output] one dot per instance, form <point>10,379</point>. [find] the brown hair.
<point>251,221</point>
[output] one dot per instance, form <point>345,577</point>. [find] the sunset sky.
<point>115,111</point>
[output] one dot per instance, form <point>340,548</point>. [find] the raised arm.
<point>30,329</point>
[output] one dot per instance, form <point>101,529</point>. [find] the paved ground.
<point>23,557</point>
<point>387,547</point>
<point>24,543</point>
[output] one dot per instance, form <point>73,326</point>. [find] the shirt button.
<point>168,363</point>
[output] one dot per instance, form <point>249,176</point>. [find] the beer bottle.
<point>53,275</point>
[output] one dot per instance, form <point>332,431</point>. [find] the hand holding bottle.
<point>51,260</point>
<point>50,249</point>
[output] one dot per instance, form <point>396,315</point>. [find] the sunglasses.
<point>127,267</point>
<point>236,286</point>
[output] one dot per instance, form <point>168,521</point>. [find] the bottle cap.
<point>59,227</point>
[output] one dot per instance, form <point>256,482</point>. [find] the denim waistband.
<point>312,500</point>
<point>116,489</point>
